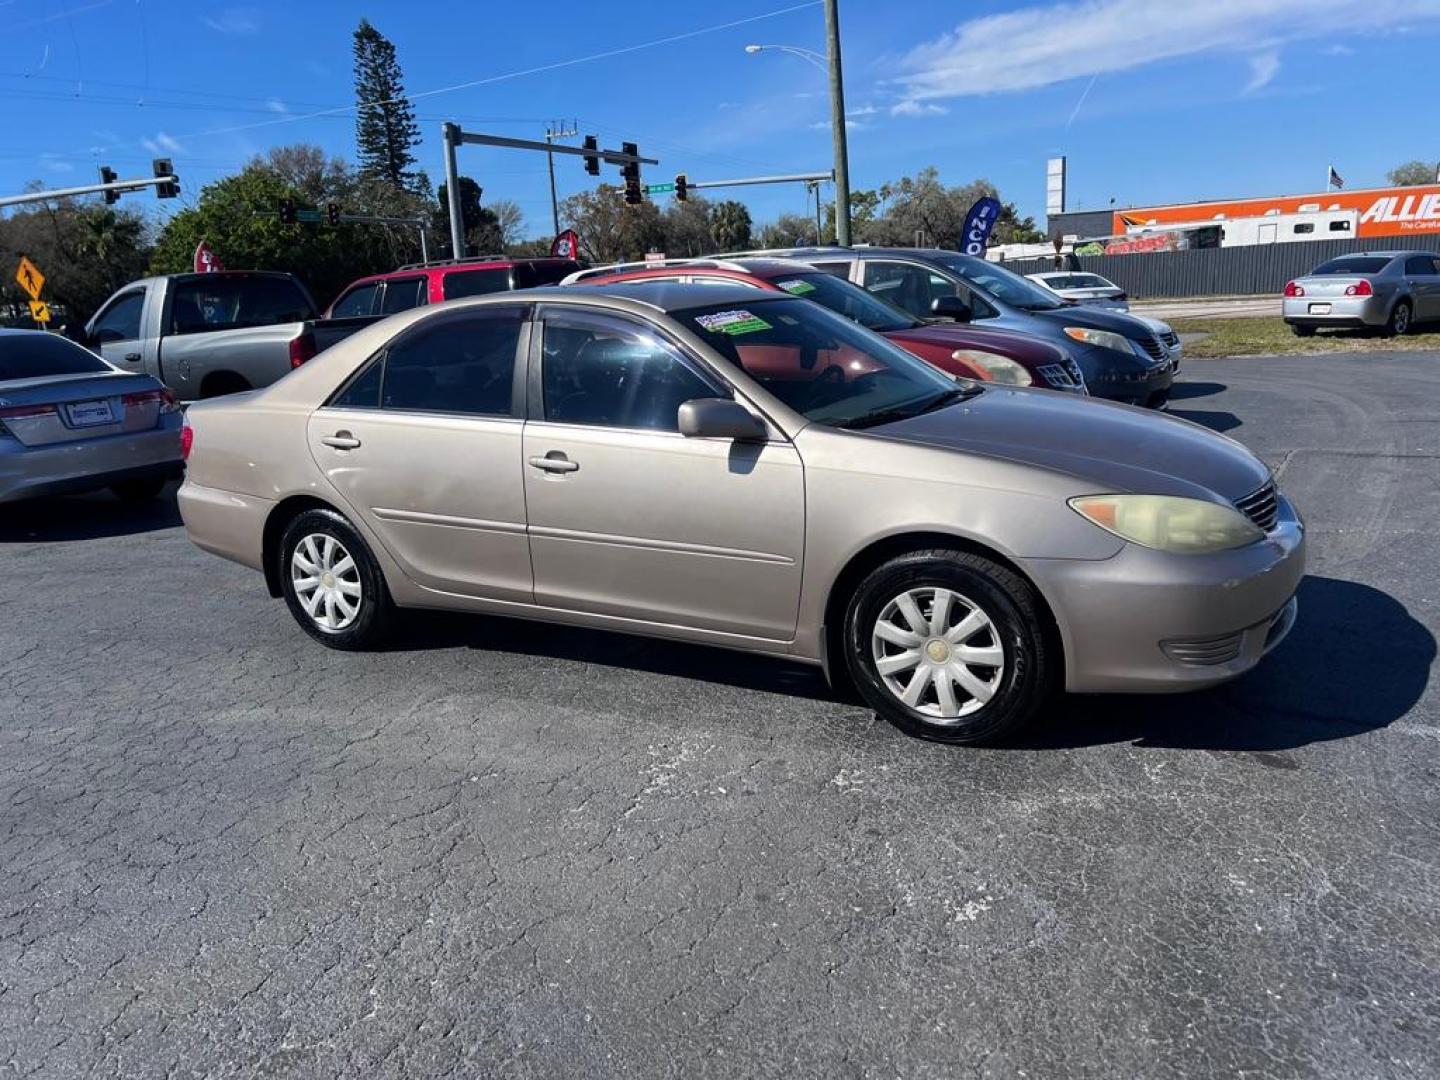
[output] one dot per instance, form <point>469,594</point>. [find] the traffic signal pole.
<point>88,189</point>
<point>453,137</point>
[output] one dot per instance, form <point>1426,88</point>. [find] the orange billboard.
<point>1395,211</point>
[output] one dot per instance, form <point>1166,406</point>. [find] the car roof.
<point>663,296</point>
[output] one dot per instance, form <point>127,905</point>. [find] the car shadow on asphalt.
<point>1356,661</point>
<point>1184,391</point>
<point>1215,421</point>
<point>85,517</point>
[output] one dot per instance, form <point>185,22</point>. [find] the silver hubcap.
<point>326,581</point>
<point>938,653</point>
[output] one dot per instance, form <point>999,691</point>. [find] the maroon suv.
<point>975,352</point>
<point>430,283</point>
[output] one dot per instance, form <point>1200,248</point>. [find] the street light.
<point>830,64</point>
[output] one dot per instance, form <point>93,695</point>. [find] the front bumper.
<point>69,468</point>
<point>1145,621</point>
<point>1119,377</point>
<point>1336,311</point>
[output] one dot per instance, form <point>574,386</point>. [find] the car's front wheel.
<point>949,646</point>
<point>332,583</point>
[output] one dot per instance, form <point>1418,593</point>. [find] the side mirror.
<point>719,418</point>
<point>951,307</point>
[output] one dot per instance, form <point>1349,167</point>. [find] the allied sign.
<point>39,311</point>
<point>1397,211</point>
<point>30,278</point>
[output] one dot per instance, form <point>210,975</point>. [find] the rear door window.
<point>460,283</point>
<point>217,302</point>
<point>402,294</point>
<point>358,301</point>
<point>121,320</point>
<point>1419,266</point>
<point>458,363</point>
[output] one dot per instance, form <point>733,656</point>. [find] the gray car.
<point>750,470</point>
<point>69,422</point>
<point>1381,290</point>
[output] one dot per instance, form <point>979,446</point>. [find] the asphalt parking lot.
<point>502,849</point>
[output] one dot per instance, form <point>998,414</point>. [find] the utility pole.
<point>837,123</point>
<point>550,136</point>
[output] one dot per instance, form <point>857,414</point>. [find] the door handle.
<point>341,440</point>
<point>132,357</point>
<point>555,462</point>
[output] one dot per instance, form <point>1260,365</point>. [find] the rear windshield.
<point>35,353</point>
<point>233,303</point>
<point>475,282</point>
<point>533,275</point>
<point>1351,265</point>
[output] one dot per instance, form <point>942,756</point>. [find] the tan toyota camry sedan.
<point>757,473</point>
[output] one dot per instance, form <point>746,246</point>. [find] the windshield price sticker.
<point>732,322</point>
<point>796,288</point>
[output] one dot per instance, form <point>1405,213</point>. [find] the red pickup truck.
<point>433,282</point>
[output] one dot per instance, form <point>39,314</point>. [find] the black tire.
<point>1302,331</point>
<point>1011,604</point>
<point>1400,319</point>
<point>137,491</point>
<point>376,611</point>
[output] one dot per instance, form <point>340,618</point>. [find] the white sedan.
<point>1084,288</point>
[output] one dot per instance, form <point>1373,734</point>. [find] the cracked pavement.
<point>509,849</point>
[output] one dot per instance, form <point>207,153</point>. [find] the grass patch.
<point>1269,336</point>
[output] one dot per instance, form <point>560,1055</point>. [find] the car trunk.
<point>68,408</point>
<point>1328,285</point>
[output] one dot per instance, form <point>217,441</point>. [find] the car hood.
<point>1111,447</point>
<point>964,336</point>
<point>1096,318</point>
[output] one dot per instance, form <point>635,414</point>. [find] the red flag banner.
<point>206,261</point>
<point>566,245</point>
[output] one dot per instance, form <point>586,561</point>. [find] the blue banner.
<point>978,223</point>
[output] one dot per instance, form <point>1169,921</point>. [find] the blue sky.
<point>1152,100</point>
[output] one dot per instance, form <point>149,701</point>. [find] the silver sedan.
<point>1084,288</point>
<point>69,422</point>
<point>1389,290</point>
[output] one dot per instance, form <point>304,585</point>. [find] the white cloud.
<point>1263,68</point>
<point>864,110</point>
<point>163,142</point>
<point>1052,43</point>
<point>234,22</point>
<point>275,105</point>
<point>55,163</point>
<point>824,125</point>
<point>1339,50</point>
<point>911,107</point>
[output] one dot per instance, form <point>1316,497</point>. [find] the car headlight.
<point>1169,523</point>
<point>1001,369</point>
<point>1105,339</point>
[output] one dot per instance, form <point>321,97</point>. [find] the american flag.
<point>1335,180</point>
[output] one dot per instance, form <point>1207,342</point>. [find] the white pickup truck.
<point>204,335</point>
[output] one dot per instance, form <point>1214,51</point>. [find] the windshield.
<point>1000,283</point>
<point>820,364</point>
<point>35,353</point>
<point>843,298</point>
<point>1352,265</point>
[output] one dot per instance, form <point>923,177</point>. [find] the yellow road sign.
<point>30,278</point>
<point>39,311</point>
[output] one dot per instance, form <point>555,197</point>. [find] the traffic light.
<point>332,213</point>
<point>107,176</point>
<point>592,161</point>
<point>631,169</point>
<point>287,212</point>
<point>633,195</point>
<point>164,167</point>
<point>682,187</point>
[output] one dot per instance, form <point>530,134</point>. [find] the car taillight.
<point>302,348</point>
<point>1360,288</point>
<point>24,412</point>
<point>187,440</point>
<point>167,401</point>
<point>1292,289</point>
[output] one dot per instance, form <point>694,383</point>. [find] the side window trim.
<point>535,362</point>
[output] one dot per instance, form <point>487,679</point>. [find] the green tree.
<point>789,230</point>
<point>385,127</point>
<point>1414,172</point>
<point>687,227</point>
<point>609,229</point>
<point>730,225</point>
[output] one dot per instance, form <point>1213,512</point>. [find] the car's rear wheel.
<point>332,583</point>
<point>137,491</point>
<point>949,646</point>
<point>1302,331</point>
<point>1399,322</point>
